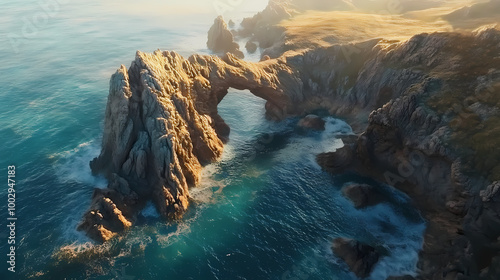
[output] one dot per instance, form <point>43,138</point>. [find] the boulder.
<point>360,257</point>
<point>312,122</point>
<point>362,195</point>
<point>338,161</point>
<point>251,47</point>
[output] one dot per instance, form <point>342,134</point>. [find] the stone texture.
<point>409,144</point>
<point>337,161</point>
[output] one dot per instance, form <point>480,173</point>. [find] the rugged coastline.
<point>162,126</point>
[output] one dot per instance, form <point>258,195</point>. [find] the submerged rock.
<point>221,40</point>
<point>360,258</point>
<point>251,47</point>
<point>362,195</point>
<point>312,122</point>
<point>337,161</point>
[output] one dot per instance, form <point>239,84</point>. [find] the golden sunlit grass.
<point>314,29</point>
<point>433,14</point>
<point>459,20</point>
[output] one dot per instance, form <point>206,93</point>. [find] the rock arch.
<point>162,125</point>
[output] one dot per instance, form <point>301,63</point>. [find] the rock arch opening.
<point>162,125</point>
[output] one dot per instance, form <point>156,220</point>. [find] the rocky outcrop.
<point>262,27</point>
<point>358,256</point>
<point>161,122</point>
<point>275,11</point>
<point>221,40</point>
<point>340,160</point>
<point>362,195</point>
<point>268,26</point>
<point>111,210</point>
<point>312,122</point>
<point>251,47</point>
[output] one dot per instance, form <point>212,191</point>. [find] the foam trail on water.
<point>307,147</point>
<point>204,192</point>
<point>73,165</point>
<point>402,238</point>
<point>72,169</point>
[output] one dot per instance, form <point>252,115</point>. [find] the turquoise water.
<point>266,211</point>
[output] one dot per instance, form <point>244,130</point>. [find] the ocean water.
<point>265,211</point>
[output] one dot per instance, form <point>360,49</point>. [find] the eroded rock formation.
<point>251,47</point>
<point>221,40</point>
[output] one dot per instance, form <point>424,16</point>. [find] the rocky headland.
<point>425,110</point>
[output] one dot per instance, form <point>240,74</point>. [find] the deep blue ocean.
<point>265,211</point>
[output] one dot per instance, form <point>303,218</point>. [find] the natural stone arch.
<point>162,125</point>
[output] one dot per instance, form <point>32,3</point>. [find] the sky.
<point>215,7</point>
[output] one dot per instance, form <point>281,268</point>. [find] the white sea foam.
<point>73,165</point>
<point>229,153</point>
<point>306,148</point>
<point>183,228</point>
<point>402,238</point>
<point>204,192</point>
